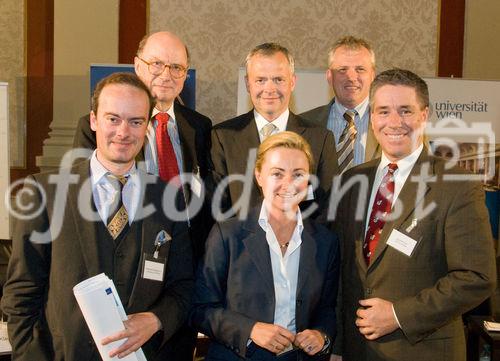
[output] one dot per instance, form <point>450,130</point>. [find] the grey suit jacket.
<point>450,271</point>
<point>235,289</point>
<point>233,139</point>
<point>44,320</point>
<point>320,115</point>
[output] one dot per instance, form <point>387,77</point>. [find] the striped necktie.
<point>118,220</point>
<point>345,146</point>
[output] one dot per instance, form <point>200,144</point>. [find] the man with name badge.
<point>416,243</point>
<point>102,215</point>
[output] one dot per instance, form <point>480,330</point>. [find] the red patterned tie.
<point>167,162</point>
<point>380,209</point>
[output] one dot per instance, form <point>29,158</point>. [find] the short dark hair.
<point>402,77</point>
<point>122,78</point>
<point>269,49</point>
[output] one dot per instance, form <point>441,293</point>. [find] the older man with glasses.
<point>178,140</point>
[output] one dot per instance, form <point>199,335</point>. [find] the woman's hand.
<point>273,338</point>
<point>310,341</point>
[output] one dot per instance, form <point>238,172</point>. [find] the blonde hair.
<point>289,140</point>
<point>351,43</point>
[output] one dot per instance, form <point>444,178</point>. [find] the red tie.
<point>167,162</point>
<point>380,209</point>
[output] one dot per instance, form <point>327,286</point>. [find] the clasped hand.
<point>276,339</point>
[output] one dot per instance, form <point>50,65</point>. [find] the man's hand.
<point>138,329</point>
<point>273,338</point>
<point>375,318</point>
<point>335,357</point>
<point>310,341</point>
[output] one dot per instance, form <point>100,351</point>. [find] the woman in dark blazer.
<point>267,286</point>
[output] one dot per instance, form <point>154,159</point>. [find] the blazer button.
<point>368,291</point>
<point>298,302</point>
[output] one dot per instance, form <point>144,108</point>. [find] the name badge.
<point>196,185</point>
<point>401,242</point>
<point>310,193</point>
<point>4,338</point>
<point>153,268</point>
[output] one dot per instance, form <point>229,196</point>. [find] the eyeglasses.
<point>177,71</point>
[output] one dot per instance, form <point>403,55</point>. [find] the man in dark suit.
<point>419,253</point>
<point>351,69</point>
<point>85,223</point>
<point>161,63</point>
<point>270,81</point>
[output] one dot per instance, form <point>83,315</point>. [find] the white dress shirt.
<point>280,122</point>
<point>285,270</point>
<point>104,193</point>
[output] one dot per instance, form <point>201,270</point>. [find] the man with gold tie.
<point>270,81</point>
<point>177,140</point>
<point>100,215</point>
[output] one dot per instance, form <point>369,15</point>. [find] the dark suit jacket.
<point>194,133</point>
<point>233,139</point>
<point>44,320</point>
<point>451,269</point>
<point>320,115</point>
<point>235,289</point>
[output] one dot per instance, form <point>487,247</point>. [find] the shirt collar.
<point>361,108</point>
<point>280,122</point>
<point>170,112</point>
<point>98,172</point>
<point>264,220</point>
<point>403,164</point>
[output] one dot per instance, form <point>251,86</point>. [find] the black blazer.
<point>233,139</point>
<point>194,133</point>
<point>234,285</point>
<point>44,320</point>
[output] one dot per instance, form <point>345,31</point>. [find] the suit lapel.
<point>258,249</point>
<point>409,197</point>
<point>187,137</point>
<point>359,232</point>
<point>307,256</point>
<point>86,231</point>
<point>294,124</point>
<point>324,113</point>
<point>372,149</point>
<point>149,230</point>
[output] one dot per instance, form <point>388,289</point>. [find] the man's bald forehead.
<point>162,36</point>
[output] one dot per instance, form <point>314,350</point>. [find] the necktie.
<point>119,219</point>
<point>167,162</point>
<point>267,130</point>
<point>345,146</point>
<point>380,209</point>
